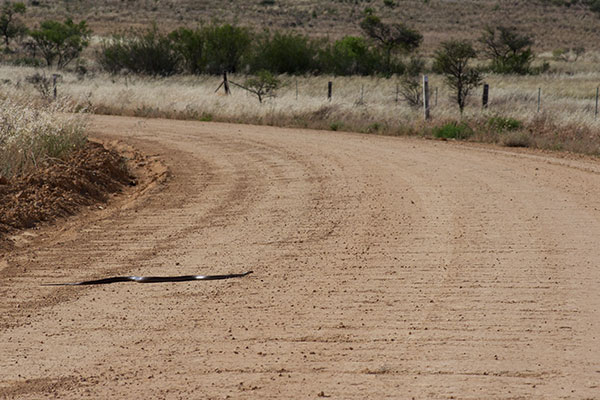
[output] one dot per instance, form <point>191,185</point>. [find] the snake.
<point>152,279</point>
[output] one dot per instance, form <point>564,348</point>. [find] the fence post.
<point>486,93</point>
<point>539,99</point>
<point>226,83</point>
<point>435,102</point>
<point>596,111</point>
<point>397,92</point>
<point>426,96</point>
<point>54,77</point>
<point>296,88</point>
<point>329,90</point>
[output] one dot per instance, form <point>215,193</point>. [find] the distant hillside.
<point>553,23</point>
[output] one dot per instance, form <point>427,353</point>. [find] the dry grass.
<point>566,119</point>
<point>552,26</point>
<point>31,133</point>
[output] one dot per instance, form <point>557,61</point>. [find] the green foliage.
<point>263,85</point>
<point>390,37</point>
<point>452,61</point>
<point>351,55</point>
<point>61,42</point>
<point>286,53</point>
<point>452,130</point>
<point>10,26</point>
<point>226,45</point>
<point>144,52</point>
<point>336,126</point>
<point>509,50</point>
<point>503,124</point>
<point>190,45</point>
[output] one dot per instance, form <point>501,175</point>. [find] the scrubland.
<point>566,119</point>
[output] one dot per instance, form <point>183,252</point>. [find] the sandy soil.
<point>384,268</point>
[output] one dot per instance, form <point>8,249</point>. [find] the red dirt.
<point>61,188</point>
<point>383,268</point>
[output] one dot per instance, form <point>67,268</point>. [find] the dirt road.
<point>383,268</point>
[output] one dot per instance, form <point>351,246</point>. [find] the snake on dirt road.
<point>152,279</point>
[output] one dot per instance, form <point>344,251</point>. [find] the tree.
<point>189,45</point>
<point>390,37</point>
<point>10,26</point>
<point>286,53</point>
<point>225,47</point>
<point>59,41</point>
<point>452,61</point>
<point>263,85</point>
<point>509,50</point>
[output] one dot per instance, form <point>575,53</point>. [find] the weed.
<point>502,124</point>
<point>452,130</point>
<point>336,126</point>
<point>516,139</point>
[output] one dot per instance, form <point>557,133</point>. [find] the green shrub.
<point>336,126</point>
<point>286,53</point>
<point>60,42</point>
<point>502,124</point>
<point>190,45</point>
<point>351,55</point>
<point>452,130</point>
<point>226,46</point>
<point>143,52</point>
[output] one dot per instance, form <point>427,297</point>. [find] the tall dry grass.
<point>566,119</point>
<point>32,133</point>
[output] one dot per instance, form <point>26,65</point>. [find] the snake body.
<point>152,279</point>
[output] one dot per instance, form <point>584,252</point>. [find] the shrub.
<point>286,53</point>
<point>144,52</point>
<point>351,55</point>
<point>452,130</point>
<point>452,60</point>
<point>10,26</point>
<point>263,85</point>
<point>509,50</point>
<point>190,46</point>
<point>61,42</point>
<point>502,124</point>
<point>226,46</point>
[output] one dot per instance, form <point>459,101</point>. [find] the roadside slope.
<point>384,267</point>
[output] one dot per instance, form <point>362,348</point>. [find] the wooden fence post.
<point>226,83</point>
<point>329,90</point>
<point>539,99</point>
<point>426,96</point>
<point>486,94</point>
<point>596,111</point>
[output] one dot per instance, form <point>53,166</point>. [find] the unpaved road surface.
<point>383,268</point>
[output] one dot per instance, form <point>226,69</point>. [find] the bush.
<point>351,55</point>
<point>225,47</point>
<point>190,46</point>
<point>286,53</point>
<point>502,124</point>
<point>509,50</point>
<point>452,130</point>
<point>61,42</point>
<point>144,52</point>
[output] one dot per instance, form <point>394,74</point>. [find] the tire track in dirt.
<point>384,268</point>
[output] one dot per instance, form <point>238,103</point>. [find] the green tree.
<point>190,45</point>
<point>391,37</point>
<point>509,50</point>
<point>226,45</point>
<point>263,85</point>
<point>286,53</point>
<point>10,26</point>
<point>61,42</point>
<point>452,61</point>
<point>351,55</point>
